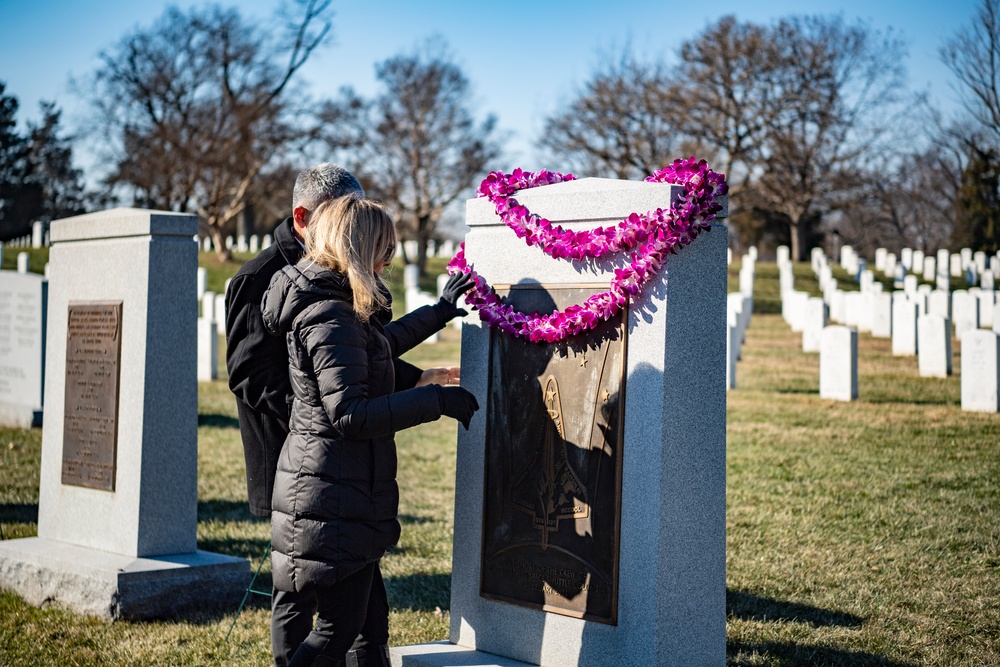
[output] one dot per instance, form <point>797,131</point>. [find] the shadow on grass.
<point>747,654</point>
<point>419,592</point>
<point>218,421</point>
<point>19,513</point>
<point>411,520</point>
<point>748,606</point>
<point>227,510</point>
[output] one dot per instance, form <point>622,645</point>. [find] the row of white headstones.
<point>212,319</point>
<point>918,318</point>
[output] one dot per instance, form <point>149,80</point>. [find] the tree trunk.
<point>220,244</point>
<point>423,236</point>
<point>798,229</point>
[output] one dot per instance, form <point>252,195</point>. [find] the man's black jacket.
<point>258,366</point>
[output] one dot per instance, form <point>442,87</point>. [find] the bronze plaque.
<point>552,495</point>
<point>90,421</point>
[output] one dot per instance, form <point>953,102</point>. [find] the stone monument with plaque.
<point>117,511</point>
<point>590,498</point>
<point>23,306</point>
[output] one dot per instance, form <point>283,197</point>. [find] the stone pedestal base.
<point>446,654</point>
<point>114,586</point>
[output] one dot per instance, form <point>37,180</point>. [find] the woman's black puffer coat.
<point>335,494</point>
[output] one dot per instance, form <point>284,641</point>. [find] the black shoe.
<point>307,657</point>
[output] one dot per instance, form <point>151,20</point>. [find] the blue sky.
<point>524,59</point>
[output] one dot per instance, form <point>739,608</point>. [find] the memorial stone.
<point>220,310</point>
<point>865,312</point>
<point>23,262</point>
<point>746,279</point>
<point>838,306</point>
<point>117,504</point>
<point>23,318</point>
<point>838,364</point>
<point>206,244</point>
<point>934,358</point>
<point>229,243</point>
<point>917,262</point>
<point>254,243</point>
<point>208,349</point>
<point>882,315</point>
<point>793,308</point>
<point>987,281</point>
<point>411,277</point>
<point>208,307</point>
<point>852,308</point>
<point>890,265</point>
<point>966,254</point>
<point>955,266</point>
<point>899,277</point>
<point>910,285</point>
<point>904,328</point>
<point>241,243</point>
<point>980,371</point>
<point>555,562</point>
<point>979,259</point>
<point>266,243</point>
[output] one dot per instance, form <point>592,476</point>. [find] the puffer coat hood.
<point>335,496</point>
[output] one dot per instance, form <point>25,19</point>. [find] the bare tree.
<point>837,87</point>
<point>417,144</point>
<point>622,122</point>
<point>196,106</point>
<point>973,56</point>
<point>726,89</point>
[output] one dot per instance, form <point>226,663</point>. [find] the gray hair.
<point>321,182</point>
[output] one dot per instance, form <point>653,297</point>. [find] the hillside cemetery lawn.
<point>863,533</point>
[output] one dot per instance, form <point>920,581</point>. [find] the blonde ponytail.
<point>351,235</point>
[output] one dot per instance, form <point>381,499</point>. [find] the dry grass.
<point>858,534</point>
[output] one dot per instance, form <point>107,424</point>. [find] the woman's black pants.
<point>355,608</point>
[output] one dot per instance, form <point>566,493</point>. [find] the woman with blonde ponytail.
<point>335,495</point>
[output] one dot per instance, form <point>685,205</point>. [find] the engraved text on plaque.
<point>90,425</point>
<point>553,465</point>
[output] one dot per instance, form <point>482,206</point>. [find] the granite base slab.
<point>446,654</point>
<point>98,583</point>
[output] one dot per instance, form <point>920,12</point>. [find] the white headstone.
<point>202,281</point>
<point>23,262</point>
<point>867,280</point>
<point>208,307</point>
<point>904,327</point>
<point>838,306</point>
<point>813,322</point>
<point>206,244</point>
<point>852,308</point>
<point>979,259</point>
<point>266,243</point>
<point>934,358</point>
<point>411,249</point>
<point>746,279</point>
<point>955,266</point>
<point>37,234</point>
<point>254,243</point>
<point>966,254</point>
<point>23,316</point>
<point>208,350</point>
<point>910,284</point>
<point>241,243</point>
<point>980,371</point>
<point>783,255</point>
<point>793,309</point>
<point>906,258</point>
<point>964,311</point>
<point>442,280</point>
<point>986,298</point>
<point>917,262</point>
<point>987,280</point>
<point>865,313</point>
<point>411,277</point>
<point>220,310</point>
<point>732,354</point>
<point>939,303</point>
<point>229,243</point>
<point>838,364</point>
<point>880,255</point>
<point>882,315</point>
<point>930,268</point>
<point>890,264</point>
<point>752,251</point>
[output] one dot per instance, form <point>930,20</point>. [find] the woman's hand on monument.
<point>446,375</point>
<point>457,285</point>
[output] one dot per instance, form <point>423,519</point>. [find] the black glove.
<point>458,403</point>
<point>457,285</point>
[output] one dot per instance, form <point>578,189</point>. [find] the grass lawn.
<point>858,534</point>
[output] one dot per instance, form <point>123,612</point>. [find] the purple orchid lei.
<point>652,235</point>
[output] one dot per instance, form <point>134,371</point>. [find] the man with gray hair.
<point>258,375</point>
